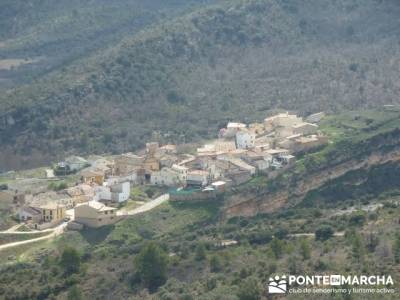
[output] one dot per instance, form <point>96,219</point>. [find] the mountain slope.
<point>40,36</point>
<point>186,77</point>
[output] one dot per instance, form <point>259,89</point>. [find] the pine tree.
<point>358,249</point>
<point>200,252</point>
<point>151,266</point>
<point>396,249</point>
<point>70,260</point>
<point>249,290</point>
<point>305,249</point>
<point>75,293</point>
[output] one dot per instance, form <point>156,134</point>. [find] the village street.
<point>145,207</point>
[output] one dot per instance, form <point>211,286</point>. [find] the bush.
<point>75,293</point>
<point>57,187</point>
<point>305,249</point>
<point>357,219</point>
<point>260,238</point>
<point>277,246</point>
<point>200,252</point>
<point>324,233</point>
<point>150,192</point>
<point>216,264</point>
<point>281,233</point>
<point>249,290</point>
<point>396,249</point>
<point>70,260</point>
<point>151,265</point>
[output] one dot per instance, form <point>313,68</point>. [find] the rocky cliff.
<point>250,204</point>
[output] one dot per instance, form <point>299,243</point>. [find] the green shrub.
<point>216,264</point>
<point>75,293</point>
<point>200,252</point>
<point>324,233</point>
<point>357,219</point>
<point>70,260</point>
<point>151,266</point>
<point>249,289</point>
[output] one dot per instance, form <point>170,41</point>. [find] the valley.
<point>357,202</point>
<point>199,149</point>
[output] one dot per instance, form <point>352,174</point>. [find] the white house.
<point>102,193</point>
<point>232,128</point>
<point>287,159</point>
<point>118,192</point>
<point>119,179</point>
<point>182,171</point>
<point>245,139</point>
<point>219,186</point>
<point>166,176</point>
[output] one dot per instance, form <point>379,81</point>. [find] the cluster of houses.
<point>240,152</point>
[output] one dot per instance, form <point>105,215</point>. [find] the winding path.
<point>54,232</point>
<point>145,207</point>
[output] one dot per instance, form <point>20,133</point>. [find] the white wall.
<point>121,192</point>
<point>245,140</point>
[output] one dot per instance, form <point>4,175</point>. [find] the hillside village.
<point>240,152</point>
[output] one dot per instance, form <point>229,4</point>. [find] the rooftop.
<point>97,205</point>
<point>179,167</point>
<point>218,183</point>
<point>51,206</point>
<point>198,172</point>
<point>236,125</point>
<point>276,151</point>
<point>31,210</point>
<point>304,124</point>
<point>92,172</point>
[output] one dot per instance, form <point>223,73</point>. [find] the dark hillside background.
<point>183,76</point>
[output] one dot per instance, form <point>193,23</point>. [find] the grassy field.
<point>360,124</point>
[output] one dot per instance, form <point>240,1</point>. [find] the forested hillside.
<point>184,78</point>
<point>37,37</point>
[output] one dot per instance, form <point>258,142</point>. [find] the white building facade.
<point>245,139</point>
